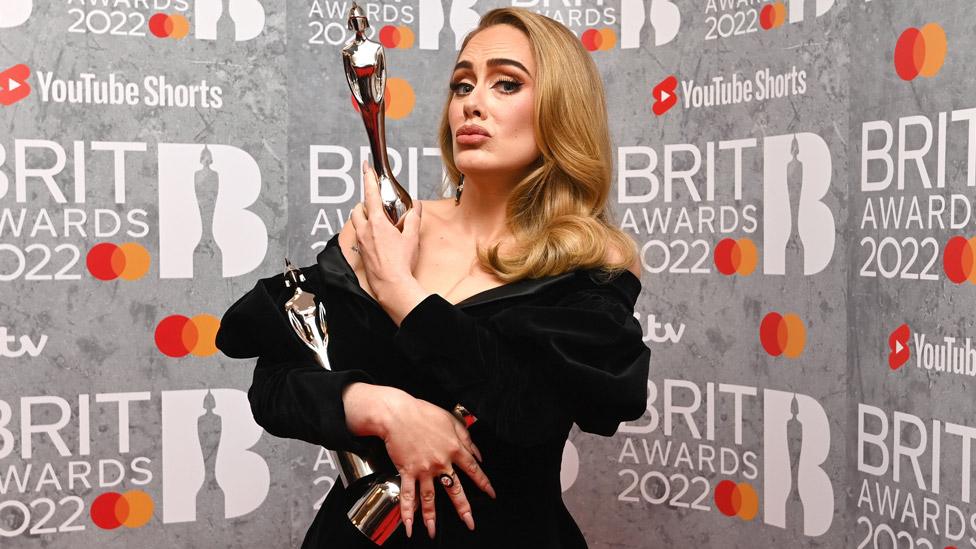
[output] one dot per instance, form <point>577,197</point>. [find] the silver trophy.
<point>376,512</point>
<point>365,66</point>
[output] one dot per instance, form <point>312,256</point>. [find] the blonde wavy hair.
<point>558,213</point>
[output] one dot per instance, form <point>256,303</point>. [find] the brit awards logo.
<point>797,492</point>
<point>14,13</point>
<point>798,227</point>
<point>221,19</point>
<point>204,193</point>
<point>461,18</point>
<point>663,16</point>
<point>214,473</point>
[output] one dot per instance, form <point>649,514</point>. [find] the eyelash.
<point>456,86</point>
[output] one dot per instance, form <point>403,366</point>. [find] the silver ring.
<point>447,479</point>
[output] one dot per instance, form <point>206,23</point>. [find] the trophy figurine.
<point>376,513</point>
<point>365,67</point>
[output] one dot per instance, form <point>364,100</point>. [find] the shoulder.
<point>614,255</point>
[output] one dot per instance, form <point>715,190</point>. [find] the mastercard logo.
<point>598,39</point>
<point>162,25</point>
<point>920,52</point>
<point>783,335</point>
<point>959,259</point>
<point>736,500</point>
<point>736,256</point>
<point>399,98</point>
<point>178,336</point>
<point>129,261</point>
<point>772,16</point>
<point>132,509</point>
<point>396,37</point>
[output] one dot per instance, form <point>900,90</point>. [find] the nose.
<point>472,104</point>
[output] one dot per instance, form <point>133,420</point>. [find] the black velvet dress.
<point>528,359</point>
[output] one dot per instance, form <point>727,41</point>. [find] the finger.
<point>460,501</point>
<point>371,194</point>
<point>411,223</point>
<point>358,218</point>
<point>408,501</point>
<point>477,475</point>
<point>465,436</point>
<point>427,504</point>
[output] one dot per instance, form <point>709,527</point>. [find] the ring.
<point>447,479</point>
<point>355,248</point>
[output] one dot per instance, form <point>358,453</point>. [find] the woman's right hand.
<point>423,441</point>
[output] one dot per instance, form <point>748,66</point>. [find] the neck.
<point>481,211</point>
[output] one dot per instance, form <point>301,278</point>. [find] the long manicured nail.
<point>408,524</point>
<point>468,519</point>
<point>430,528</point>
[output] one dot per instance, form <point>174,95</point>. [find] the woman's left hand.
<point>389,256</point>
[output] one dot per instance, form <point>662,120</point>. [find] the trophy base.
<point>377,512</point>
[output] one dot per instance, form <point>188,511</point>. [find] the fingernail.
<point>468,519</point>
<point>491,492</point>
<point>364,165</point>
<point>430,528</point>
<point>408,524</point>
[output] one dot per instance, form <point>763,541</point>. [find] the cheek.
<point>521,115</point>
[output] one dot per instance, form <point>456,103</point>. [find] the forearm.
<point>370,408</point>
<point>398,298</point>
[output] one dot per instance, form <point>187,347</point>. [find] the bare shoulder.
<point>614,255</point>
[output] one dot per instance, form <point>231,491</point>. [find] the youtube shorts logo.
<point>665,95</point>
<point>898,346</point>
<point>13,84</point>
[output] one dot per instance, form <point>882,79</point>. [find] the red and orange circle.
<point>736,499</point>
<point>736,256</point>
<point>401,37</point>
<point>920,52</point>
<point>959,259</point>
<point>132,509</point>
<point>783,334</point>
<point>598,39</point>
<point>178,336</point>
<point>399,99</point>
<point>107,261</point>
<point>772,15</point>
<point>175,26</point>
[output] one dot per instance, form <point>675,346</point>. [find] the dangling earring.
<point>460,189</point>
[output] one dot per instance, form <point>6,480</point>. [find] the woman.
<point>515,299</point>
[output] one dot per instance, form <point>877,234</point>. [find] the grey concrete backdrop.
<point>720,406</point>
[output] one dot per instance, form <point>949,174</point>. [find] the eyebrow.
<point>497,62</point>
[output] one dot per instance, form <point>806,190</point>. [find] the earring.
<point>460,189</point>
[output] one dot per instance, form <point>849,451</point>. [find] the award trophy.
<point>376,513</point>
<point>365,66</point>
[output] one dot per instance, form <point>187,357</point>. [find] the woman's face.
<point>493,90</point>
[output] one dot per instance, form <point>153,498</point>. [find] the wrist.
<point>399,298</point>
<point>371,409</point>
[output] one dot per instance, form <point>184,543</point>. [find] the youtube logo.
<point>665,95</point>
<point>13,84</point>
<point>898,346</point>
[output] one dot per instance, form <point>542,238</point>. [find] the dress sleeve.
<point>291,396</point>
<point>526,369</point>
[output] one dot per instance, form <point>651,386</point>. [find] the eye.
<point>461,88</point>
<point>509,86</point>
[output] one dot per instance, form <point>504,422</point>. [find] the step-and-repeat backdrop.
<point>799,176</point>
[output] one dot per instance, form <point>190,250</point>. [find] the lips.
<point>471,129</point>
<point>471,134</point>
